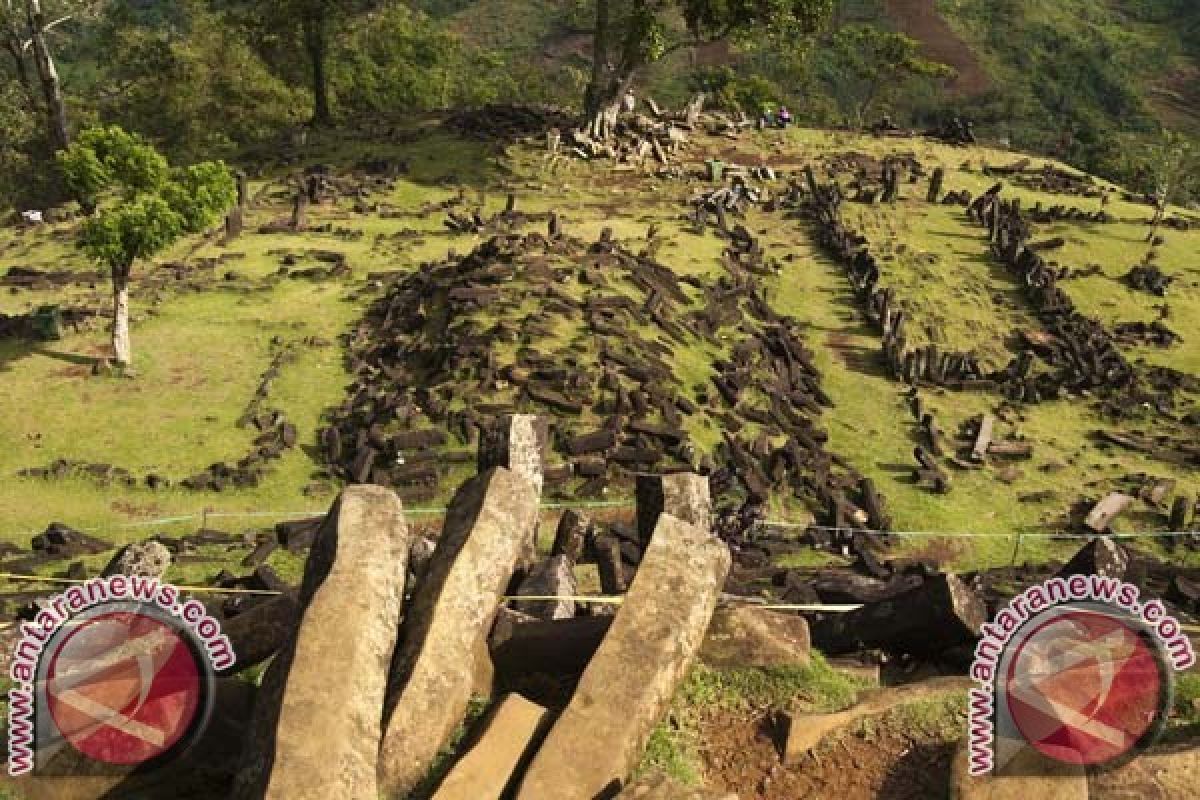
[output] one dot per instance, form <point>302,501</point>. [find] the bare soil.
<point>920,20</point>
<point>741,753</point>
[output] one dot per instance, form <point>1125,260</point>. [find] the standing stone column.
<point>518,442</point>
<point>599,738</point>
<point>683,495</point>
<point>487,525</point>
<point>316,726</point>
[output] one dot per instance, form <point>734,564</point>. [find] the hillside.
<point>822,331</point>
<point>215,316</point>
<point>1084,80</point>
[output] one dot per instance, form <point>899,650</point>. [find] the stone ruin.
<point>396,701</point>
<point>620,405</point>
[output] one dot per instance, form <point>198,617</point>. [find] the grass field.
<point>200,350</point>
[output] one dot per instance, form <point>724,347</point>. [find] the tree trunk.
<point>315,44</point>
<point>56,109</point>
<point>12,43</point>
<point>592,94</point>
<point>602,98</point>
<point>122,348</point>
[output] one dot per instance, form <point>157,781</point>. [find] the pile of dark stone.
<point>1049,179</point>
<point>507,122</point>
<point>276,436</point>
<point>25,326</point>
<point>444,333</point>
<point>1080,351</point>
<point>1148,278</point>
<point>334,265</point>
<point>502,221</point>
<point>102,474</point>
<point>285,353</point>
<point>928,365</point>
<point>57,543</point>
<point>955,130</point>
<point>32,278</point>
<point>1177,447</point>
<point>1060,213</point>
<point>1155,333</point>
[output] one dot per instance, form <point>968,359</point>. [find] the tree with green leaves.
<point>147,206</point>
<point>630,34</point>
<point>1167,164</point>
<point>872,64</point>
<point>313,26</point>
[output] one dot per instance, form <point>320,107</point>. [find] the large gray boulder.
<point>599,738</point>
<point>551,577</point>
<point>148,559</point>
<point>316,727</point>
<point>683,495</point>
<point>489,521</point>
<point>511,732</point>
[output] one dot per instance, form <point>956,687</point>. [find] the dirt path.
<point>920,20</point>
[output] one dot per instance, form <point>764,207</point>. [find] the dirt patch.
<point>920,20</point>
<point>1176,98</point>
<point>130,509</point>
<point>741,754</point>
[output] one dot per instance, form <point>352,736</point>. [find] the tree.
<point>153,205</point>
<point>1167,166</point>
<point>630,34</point>
<point>873,63</point>
<point>56,106</point>
<point>200,94</point>
<point>311,25</point>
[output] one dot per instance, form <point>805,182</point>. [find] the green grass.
<point>942,718</point>
<point>448,755</point>
<point>1187,698</point>
<point>199,354</point>
<point>672,747</point>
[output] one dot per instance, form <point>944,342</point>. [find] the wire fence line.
<point>205,515</point>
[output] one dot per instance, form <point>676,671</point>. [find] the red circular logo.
<point>1084,687</point>
<point>124,687</point>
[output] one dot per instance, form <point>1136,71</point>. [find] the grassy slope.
<point>200,353</point>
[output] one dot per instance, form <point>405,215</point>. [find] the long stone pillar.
<point>597,741</point>
<point>488,524</point>
<point>316,727</point>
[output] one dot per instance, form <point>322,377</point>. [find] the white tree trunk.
<point>56,107</point>
<point>122,348</point>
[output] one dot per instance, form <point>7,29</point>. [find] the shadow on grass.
<point>12,350</point>
<point>70,358</point>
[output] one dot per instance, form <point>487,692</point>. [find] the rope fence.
<point>841,608</point>
<point>205,515</point>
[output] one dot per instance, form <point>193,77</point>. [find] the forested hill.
<point>1066,77</point>
<point>1089,81</point>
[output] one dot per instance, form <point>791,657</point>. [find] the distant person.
<point>768,116</point>
<point>785,117</point>
<point>629,102</point>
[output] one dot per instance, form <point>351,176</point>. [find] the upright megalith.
<point>683,495</point>
<point>516,442</point>
<point>316,727</point>
<point>599,738</point>
<point>488,522</point>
